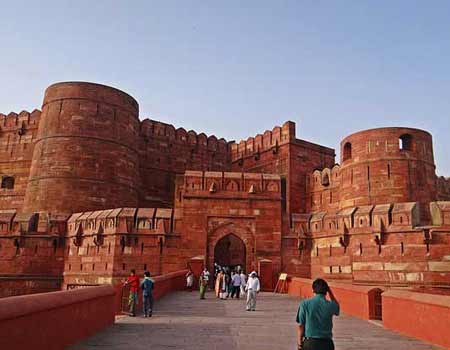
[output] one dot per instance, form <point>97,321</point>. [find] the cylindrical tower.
<point>85,155</point>
<point>387,165</point>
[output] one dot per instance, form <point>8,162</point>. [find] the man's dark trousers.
<point>318,344</point>
<point>148,305</point>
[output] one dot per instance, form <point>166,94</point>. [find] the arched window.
<point>8,182</point>
<point>325,180</point>
<point>347,151</point>
<point>405,142</point>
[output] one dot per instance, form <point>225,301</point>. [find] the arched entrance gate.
<point>231,244</point>
<point>230,251</point>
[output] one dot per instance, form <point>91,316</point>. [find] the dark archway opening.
<point>230,251</point>
<point>405,142</point>
<point>7,182</point>
<point>347,153</point>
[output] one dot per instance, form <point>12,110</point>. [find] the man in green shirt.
<point>314,318</point>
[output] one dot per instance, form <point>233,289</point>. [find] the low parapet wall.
<point>54,320</point>
<point>423,316</point>
<point>164,285</point>
<point>358,301</point>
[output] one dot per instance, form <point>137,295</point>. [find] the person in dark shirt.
<point>147,294</point>
<point>315,318</point>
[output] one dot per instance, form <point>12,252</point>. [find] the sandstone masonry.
<point>88,191</point>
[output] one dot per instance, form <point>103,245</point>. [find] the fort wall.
<point>380,244</point>
<point>387,165</point>
<point>85,155</point>
<point>179,193</point>
<point>279,152</point>
<point>165,152</point>
<point>17,138</point>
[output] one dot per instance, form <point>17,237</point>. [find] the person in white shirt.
<point>243,283</point>
<point>236,283</point>
<point>252,288</point>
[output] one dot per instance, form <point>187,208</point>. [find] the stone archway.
<point>242,231</point>
<point>230,251</point>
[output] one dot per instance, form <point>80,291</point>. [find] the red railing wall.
<point>55,320</point>
<point>419,315</point>
<point>354,300</point>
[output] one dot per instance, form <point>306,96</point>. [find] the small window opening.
<point>7,182</point>
<point>405,142</point>
<point>347,151</point>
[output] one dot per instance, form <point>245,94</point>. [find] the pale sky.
<point>237,68</point>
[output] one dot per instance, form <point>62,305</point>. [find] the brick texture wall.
<point>178,193</point>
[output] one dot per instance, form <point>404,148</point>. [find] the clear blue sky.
<point>236,68</point>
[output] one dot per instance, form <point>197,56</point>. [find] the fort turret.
<point>387,165</point>
<point>85,155</point>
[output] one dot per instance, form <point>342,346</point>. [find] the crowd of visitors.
<point>229,282</point>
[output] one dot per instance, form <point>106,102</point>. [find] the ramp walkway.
<point>182,321</point>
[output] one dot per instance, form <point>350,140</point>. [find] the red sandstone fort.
<point>89,191</point>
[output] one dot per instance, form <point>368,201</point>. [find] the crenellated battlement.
<point>14,121</point>
<point>381,218</point>
<point>443,188</point>
<point>269,140</point>
<point>231,183</point>
<point>156,221</point>
<point>155,129</point>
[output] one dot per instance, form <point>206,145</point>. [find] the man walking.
<point>314,318</point>
<point>133,282</point>
<point>252,288</point>
<point>236,284</point>
<point>147,294</point>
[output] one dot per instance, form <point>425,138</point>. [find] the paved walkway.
<point>182,321</point>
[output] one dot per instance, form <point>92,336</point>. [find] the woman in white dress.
<point>190,280</point>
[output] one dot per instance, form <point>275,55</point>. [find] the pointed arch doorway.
<point>230,251</point>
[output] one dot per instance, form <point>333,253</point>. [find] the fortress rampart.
<point>273,202</point>
<point>17,138</point>
<point>85,153</point>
